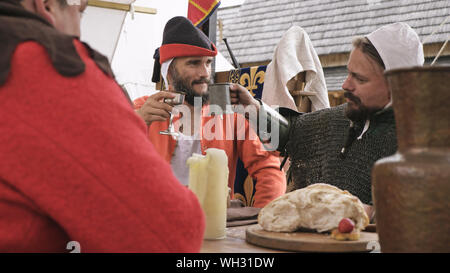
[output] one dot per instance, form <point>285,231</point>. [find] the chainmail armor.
<point>315,145</point>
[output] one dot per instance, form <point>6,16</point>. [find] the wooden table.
<point>234,243</point>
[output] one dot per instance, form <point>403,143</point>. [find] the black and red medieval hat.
<point>181,39</point>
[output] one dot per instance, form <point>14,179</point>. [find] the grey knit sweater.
<point>315,143</point>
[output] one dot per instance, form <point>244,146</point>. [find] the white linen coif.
<point>398,45</point>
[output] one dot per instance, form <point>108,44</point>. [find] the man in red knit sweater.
<point>75,160</point>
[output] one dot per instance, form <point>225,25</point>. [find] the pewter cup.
<point>219,97</point>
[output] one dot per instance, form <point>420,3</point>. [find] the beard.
<point>183,85</point>
<point>359,112</point>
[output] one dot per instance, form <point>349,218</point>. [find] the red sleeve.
<point>262,165</point>
<point>137,103</point>
<point>76,164</point>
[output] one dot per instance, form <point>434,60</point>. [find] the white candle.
<point>208,179</point>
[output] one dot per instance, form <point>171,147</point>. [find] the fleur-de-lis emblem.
<point>250,80</point>
<point>234,75</point>
<point>248,197</point>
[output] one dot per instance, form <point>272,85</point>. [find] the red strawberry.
<point>346,225</point>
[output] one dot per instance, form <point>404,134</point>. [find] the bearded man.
<point>186,56</point>
<point>340,145</point>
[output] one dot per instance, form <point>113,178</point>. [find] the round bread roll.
<point>319,207</point>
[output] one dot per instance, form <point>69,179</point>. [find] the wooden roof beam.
<point>119,6</point>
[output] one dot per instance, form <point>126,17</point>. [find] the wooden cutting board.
<point>308,242</point>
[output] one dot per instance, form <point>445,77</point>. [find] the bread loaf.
<point>319,207</point>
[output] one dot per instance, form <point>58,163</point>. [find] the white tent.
<point>129,38</point>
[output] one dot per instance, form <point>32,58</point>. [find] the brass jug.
<point>411,189</point>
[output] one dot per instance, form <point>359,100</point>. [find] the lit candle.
<point>208,179</point>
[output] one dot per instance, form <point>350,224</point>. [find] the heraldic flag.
<point>200,10</point>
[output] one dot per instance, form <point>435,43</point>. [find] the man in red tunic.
<point>75,160</point>
<point>186,55</point>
